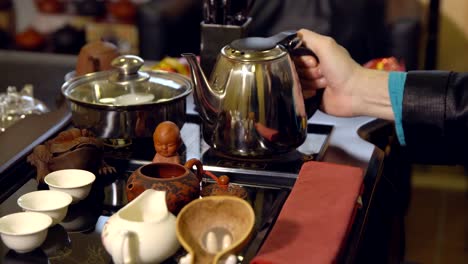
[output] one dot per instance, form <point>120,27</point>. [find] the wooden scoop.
<point>200,217</point>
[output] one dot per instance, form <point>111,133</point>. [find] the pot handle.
<point>189,164</point>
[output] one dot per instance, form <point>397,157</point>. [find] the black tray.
<point>77,238</point>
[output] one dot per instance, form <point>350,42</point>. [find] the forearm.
<point>371,96</point>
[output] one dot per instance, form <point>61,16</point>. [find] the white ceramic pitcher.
<point>143,231</point>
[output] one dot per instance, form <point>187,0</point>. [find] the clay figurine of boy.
<point>166,139</point>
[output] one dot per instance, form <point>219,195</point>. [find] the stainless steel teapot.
<point>252,106</point>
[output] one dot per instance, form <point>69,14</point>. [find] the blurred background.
<point>420,34</point>
<point>158,28</point>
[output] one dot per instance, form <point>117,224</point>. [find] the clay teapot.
<point>123,10</point>
<point>96,56</point>
<point>180,183</point>
<point>50,6</point>
<point>30,40</point>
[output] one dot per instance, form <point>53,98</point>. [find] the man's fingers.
<point>313,84</point>
<point>310,73</point>
<point>319,44</point>
<point>321,83</point>
<point>305,61</point>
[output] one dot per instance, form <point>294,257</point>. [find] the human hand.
<point>336,71</point>
<point>350,90</point>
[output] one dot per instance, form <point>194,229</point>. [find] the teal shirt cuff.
<point>396,87</point>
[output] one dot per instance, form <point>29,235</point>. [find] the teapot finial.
<point>206,99</point>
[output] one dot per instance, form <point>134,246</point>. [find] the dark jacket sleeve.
<point>435,117</point>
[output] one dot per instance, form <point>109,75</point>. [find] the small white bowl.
<point>75,182</point>
<point>23,232</point>
<point>53,203</point>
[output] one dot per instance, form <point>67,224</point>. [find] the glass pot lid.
<point>126,86</point>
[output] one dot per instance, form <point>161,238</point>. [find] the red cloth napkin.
<point>315,218</point>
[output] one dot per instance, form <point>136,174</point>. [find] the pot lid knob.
<point>128,69</point>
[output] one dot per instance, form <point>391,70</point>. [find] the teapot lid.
<point>254,44</point>
<point>254,49</point>
<point>262,49</point>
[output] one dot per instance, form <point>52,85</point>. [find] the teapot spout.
<point>206,100</point>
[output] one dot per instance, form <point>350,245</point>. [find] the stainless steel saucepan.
<point>127,103</point>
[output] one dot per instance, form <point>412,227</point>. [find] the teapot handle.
<point>286,38</point>
<point>189,164</point>
<point>295,46</point>
<point>292,43</point>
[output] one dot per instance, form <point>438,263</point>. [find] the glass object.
<point>16,105</point>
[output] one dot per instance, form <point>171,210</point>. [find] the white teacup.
<point>75,182</point>
<point>53,203</point>
<point>23,232</point>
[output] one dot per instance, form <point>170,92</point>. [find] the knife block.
<point>214,37</point>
